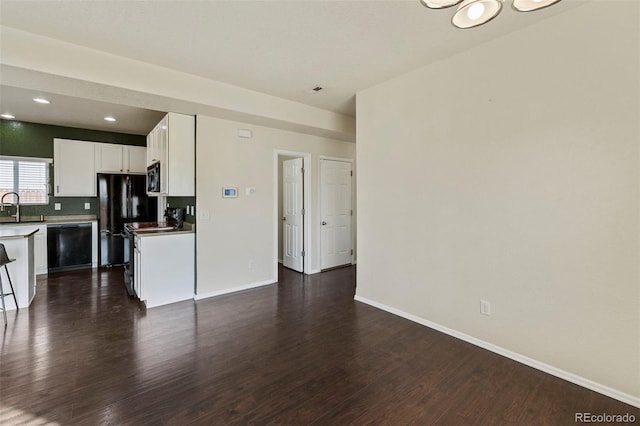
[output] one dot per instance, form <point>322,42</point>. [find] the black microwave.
<point>153,177</point>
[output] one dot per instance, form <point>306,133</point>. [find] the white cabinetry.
<point>108,158</point>
<point>135,159</point>
<point>137,259</point>
<point>40,250</point>
<point>74,168</point>
<point>164,268</point>
<point>39,243</point>
<point>19,244</point>
<point>111,158</point>
<point>172,144</point>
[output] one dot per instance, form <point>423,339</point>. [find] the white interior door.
<point>292,205</point>
<point>335,217</point>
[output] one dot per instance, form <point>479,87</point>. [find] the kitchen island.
<point>19,243</point>
<point>163,264</point>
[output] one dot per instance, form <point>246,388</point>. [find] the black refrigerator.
<point>123,199</point>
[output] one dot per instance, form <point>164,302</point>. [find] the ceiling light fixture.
<point>7,116</point>
<point>111,119</point>
<point>472,13</point>
<point>41,101</point>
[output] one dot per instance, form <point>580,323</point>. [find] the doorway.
<point>291,207</point>
<point>336,213</point>
<point>292,233</point>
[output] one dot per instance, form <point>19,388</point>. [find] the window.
<point>29,177</point>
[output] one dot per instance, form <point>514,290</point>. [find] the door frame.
<point>319,211</point>
<point>306,202</point>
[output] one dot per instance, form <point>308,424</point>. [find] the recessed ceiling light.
<point>7,116</point>
<point>41,100</point>
<point>110,119</point>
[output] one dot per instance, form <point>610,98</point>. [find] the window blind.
<point>28,177</point>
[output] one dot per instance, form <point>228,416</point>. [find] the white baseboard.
<point>233,289</point>
<point>313,271</point>
<point>538,365</point>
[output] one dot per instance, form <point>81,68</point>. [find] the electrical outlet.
<point>57,206</point>
<point>252,263</point>
<point>485,307</point>
<point>87,206</point>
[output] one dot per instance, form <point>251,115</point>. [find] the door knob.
<point>324,223</point>
<point>284,218</point>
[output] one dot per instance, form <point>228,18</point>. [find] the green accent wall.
<point>23,139</point>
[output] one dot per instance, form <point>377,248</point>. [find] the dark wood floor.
<point>298,352</point>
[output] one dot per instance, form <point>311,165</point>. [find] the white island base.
<point>164,267</point>
<point>19,244</point>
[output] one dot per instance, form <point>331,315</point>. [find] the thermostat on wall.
<point>229,192</point>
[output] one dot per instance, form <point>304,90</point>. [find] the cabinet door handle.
<point>57,189</point>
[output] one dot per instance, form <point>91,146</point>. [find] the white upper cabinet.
<point>172,144</point>
<point>135,159</point>
<point>111,158</point>
<point>74,168</point>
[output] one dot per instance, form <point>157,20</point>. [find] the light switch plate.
<point>203,215</point>
<point>87,206</point>
<point>57,206</point>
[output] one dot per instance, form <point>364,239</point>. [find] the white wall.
<point>242,230</point>
<point>510,173</point>
<point>41,63</point>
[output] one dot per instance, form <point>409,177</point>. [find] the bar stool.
<point>4,260</point>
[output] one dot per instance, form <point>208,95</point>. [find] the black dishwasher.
<point>69,246</point>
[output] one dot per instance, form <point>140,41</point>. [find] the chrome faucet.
<point>17,205</point>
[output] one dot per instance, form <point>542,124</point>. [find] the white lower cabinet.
<point>137,259</point>
<point>40,251</point>
<point>164,268</point>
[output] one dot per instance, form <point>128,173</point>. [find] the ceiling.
<point>281,48</point>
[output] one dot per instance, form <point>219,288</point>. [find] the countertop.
<point>22,232</point>
<point>53,220</point>
<point>187,228</point>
